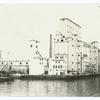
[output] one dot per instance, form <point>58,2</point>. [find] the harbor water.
<point>84,87</point>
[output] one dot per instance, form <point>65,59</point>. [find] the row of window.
<point>91,51</point>
<point>94,58</point>
<point>56,70</point>
<point>12,63</point>
<point>32,46</point>
<point>41,63</point>
<point>59,66</point>
<point>77,55</point>
<point>41,59</point>
<point>61,57</point>
<point>76,62</point>
<point>58,61</point>
<point>62,40</point>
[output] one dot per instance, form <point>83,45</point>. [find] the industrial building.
<point>68,53</point>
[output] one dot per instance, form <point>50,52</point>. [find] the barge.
<point>55,77</point>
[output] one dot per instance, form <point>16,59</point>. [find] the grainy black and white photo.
<point>50,50</point>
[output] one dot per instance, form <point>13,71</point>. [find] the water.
<point>86,87</point>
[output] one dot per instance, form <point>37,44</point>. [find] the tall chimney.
<point>50,49</point>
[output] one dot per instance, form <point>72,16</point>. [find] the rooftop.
<point>70,21</point>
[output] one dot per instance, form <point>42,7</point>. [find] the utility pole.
<point>81,62</point>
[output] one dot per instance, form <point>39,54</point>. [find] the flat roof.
<point>70,21</point>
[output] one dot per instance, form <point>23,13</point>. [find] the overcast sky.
<point>21,22</point>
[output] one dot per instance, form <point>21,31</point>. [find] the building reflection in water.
<point>84,87</point>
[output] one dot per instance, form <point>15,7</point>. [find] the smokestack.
<point>50,49</point>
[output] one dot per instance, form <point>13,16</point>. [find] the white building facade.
<point>71,55</point>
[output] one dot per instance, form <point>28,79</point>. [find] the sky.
<point>20,23</point>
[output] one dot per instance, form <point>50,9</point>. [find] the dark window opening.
<point>61,66</point>
<point>78,45</point>
<point>61,40</point>
<point>56,66</point>
<point>31,45</point>
<point>45,72</point>
<point>26,62</point>
<point>57,39</point>
<point>58,61</point>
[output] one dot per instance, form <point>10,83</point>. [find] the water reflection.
<point>86,87</point>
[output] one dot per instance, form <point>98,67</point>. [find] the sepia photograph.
<point>49,50</point>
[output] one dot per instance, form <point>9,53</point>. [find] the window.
<point>72,62</point>
<point>77,62</point>
<point>58,61</point>
<point>94,58</point>
<point>61,66</point>
<point>26,62</point>
<point>36,46</point>
<point>31,45</point>
<point>84,45</point>
<point>53,66</point>
<point>56,66</point>
<point>90,51</point>
<point>72,55</point>
<point>56,57</point>
<point>61,56</point>
<point>57,39</point>
<point>78,45</point>
<point>20,63</point>
<point>72,45</point>
<point>63,36</point>
<point>62,40</point>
